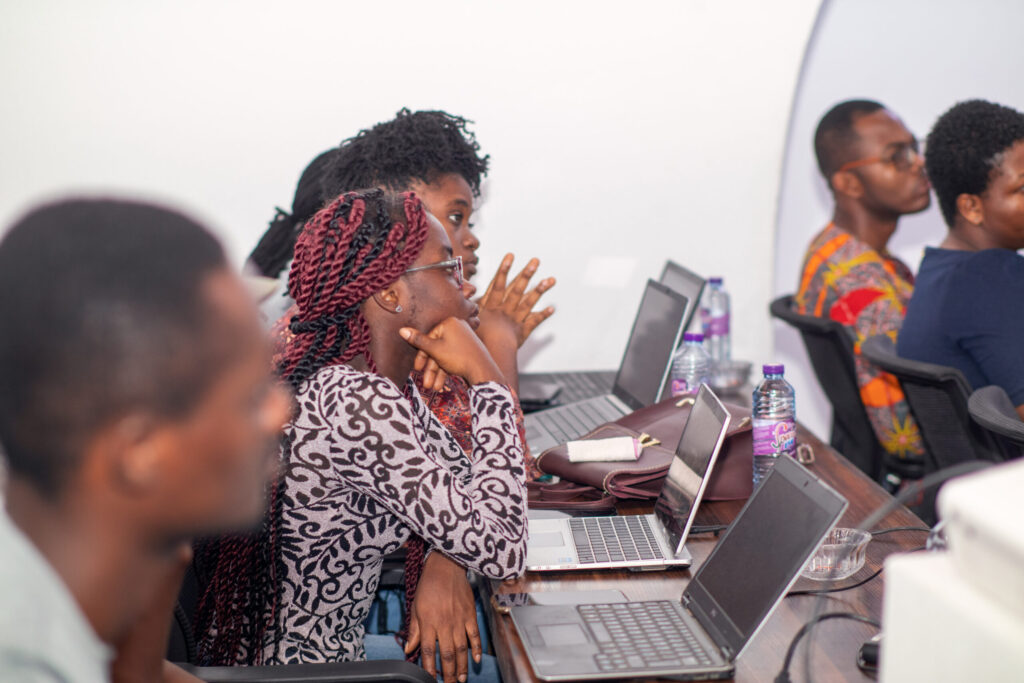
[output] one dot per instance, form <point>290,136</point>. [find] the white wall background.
<point>620,133</point>
<point>918,58</point>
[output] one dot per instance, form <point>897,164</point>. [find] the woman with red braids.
<point>366,464</point>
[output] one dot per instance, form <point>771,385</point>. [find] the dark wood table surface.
<point>835,643</point>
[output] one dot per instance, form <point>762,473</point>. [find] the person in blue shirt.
<point>967,310</point>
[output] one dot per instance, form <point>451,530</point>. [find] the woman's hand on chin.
<point>453,347</point>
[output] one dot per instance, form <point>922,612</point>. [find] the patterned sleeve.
<point>400,462</point>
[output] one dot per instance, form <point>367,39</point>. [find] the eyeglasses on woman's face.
<point>454,265</point>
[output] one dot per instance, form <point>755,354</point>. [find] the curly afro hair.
<point>965,146</point>
<point>835,136</point>
<point>414,146</point>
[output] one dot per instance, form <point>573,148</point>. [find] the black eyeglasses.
<point>902,158</point>
<point>453,264</point>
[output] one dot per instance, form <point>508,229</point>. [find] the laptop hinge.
<point>706,622</point>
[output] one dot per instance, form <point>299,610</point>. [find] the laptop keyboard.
<point>614,539</point>
<point>577,386</point>
<point>576,419</point>
<point>633,636</point>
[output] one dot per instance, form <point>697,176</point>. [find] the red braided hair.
<point>336,268</point>
<point>355,246</point>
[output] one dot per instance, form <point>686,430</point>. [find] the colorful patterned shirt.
<point>845,280</point>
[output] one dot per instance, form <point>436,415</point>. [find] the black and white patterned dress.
<point>368,467</point>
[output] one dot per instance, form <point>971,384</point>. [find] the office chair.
<point>991,408</point>
<point>831,352</point>
<point>181,649</point>
<point>938,396</point>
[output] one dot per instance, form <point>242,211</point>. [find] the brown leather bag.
<point>643,479</point>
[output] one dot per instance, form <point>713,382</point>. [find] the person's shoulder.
<point>827,242</point>
<point>43,635</point>
<point>989,269</point>
<point>346,379</point>
<point>1002,259</point>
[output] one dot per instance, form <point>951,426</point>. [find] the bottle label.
<point>774,436</point>
<point>718,325</point>
<point>680,387</point>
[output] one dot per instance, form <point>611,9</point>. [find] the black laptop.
<point>687,283</point>
<point>538,390</point>
<point>643,374</point>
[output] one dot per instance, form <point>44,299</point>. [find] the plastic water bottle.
<point>774,418</point>
<point>691,365</point>
<point>715,318</point>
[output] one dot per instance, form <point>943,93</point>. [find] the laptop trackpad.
<point>561,635</point>
<point>546,539</point>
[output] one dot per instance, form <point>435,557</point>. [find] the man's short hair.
<point>100,313</point>
<point>965,146</point>
<point>413,146</point>
<point>835,136</point>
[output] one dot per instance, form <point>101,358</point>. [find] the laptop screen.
<point>761,554</point>
<point>657,329</point>
<point>687,283</point>
<point>688,474</point>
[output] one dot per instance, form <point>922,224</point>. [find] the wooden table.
<point>836,642</point>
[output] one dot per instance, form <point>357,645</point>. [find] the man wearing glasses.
<point>876,174</point>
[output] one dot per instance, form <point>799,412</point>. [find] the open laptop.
<point>559,388</point>
<point>544,389</point>
<point>687,283</point>
<point>642,375</point>
<point>653,541</point>
<point>724,606</point>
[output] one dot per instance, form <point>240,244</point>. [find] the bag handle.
<point>566,495</point>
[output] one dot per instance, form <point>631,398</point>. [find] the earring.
<point>398,308</point>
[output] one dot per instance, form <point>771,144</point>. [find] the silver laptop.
<point>642,375</point>
<point>653,541</point>
<point>723,607</point>
<point>687,283</point>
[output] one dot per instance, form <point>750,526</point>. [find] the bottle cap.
<point>773,369</point>
<point>715,280</point>
<point>693,337</point>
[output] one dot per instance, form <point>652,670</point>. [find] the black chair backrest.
<point>937,395</point>
<point>991,408</point>
<point>831,351</point>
